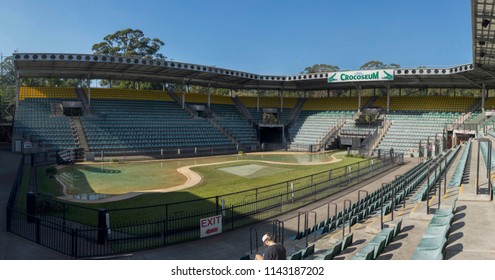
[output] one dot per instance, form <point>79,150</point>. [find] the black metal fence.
<point>54,224</point>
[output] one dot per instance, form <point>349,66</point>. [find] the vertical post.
<point>489,160</point>
<point>298,222</point>
<point>209,96</point>
<point>393,201</point>
<point>232,215</point>
<point>282,100</point>
<point>306,225</point>
<point>381,212</point>
<point>490,189</point>
<point>17,90</point>
<point>281,203</point>
<point>217,203</point>
<point>165,228</point>
<point>73,234</point>
<point>359,99</point>
<point>439,193</point>
<point>256,200</point>
<point>343,219</point>
<point>30,207</point>
<point>483,92</point>
<point>102,226</point>
<point>258,101</point>
<point>428,190</point>
<point>359,196</point>
<point>478,167</point>
<point>89,92</point>
<point>328,211</point>
<point>388,99</point>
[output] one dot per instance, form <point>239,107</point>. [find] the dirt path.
<point>192,179</point>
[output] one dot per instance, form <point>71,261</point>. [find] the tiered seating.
<point>34,119</point>
<point>422,194</point>
<point>432,245</point>
<point>407,130</point>
<point>131,125</point>
<point>334,103</point>
<point>393,193</point>
<point>303,253</point>
<point>351,127</point>
<point>235,123</point>
<point>312,126</point>
<point>426,103</point>
<point>376,246</point>
<point>490,104</point>
<point>372,203</point>
<point>229,118</point>
<point>47,92</point>
<point>128,94</point>
<point>456,179</point>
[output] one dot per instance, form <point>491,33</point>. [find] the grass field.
<point>115,179</point>
<point>216,181</point>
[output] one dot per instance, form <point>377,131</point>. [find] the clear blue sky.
<point>259,36</point>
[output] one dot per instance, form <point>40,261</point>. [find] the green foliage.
<point>320,68</point>
<point>54,82</point>
<point>375,64</point>
<point>129,42</point>
<point>7,72</point>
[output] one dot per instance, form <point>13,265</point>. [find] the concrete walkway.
<point>13,247</point>
<point>474,222</point>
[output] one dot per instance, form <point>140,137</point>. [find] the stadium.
<point>374,164</point>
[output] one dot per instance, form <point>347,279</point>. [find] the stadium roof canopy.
<point>474,75</point>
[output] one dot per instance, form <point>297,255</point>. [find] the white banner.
<point>361,76</point>
<point>210,226</point>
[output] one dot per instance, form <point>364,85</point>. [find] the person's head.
<point>268,239</point>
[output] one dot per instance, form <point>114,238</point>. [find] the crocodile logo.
<point>388,76</point>
<point>332,78</point>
